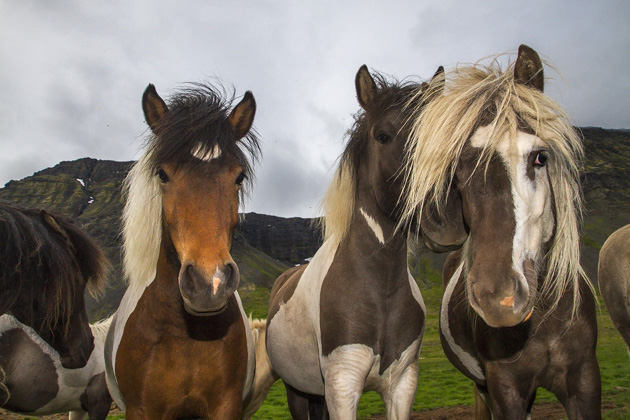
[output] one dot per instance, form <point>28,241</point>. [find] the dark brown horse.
<point>48,355</point>
<point>496,171</point>
<point>46,263</point>
<point>613,277</point>
<point>180,345</point>
<point>353,318</point>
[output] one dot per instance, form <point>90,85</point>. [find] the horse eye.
<point>541,159</point>
<point>163,177</point>
<point>240,178</point>
<point>383,138</point>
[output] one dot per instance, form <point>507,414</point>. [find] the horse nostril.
<point>187,279</point>
<point>232,276</point>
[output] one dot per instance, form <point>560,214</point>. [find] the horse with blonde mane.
<point>180,345</point>
<point>353,318</point>
<point>494,170</point>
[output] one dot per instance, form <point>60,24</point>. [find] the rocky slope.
<point>89,191</point>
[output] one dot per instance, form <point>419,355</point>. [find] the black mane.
<point>43,266</point>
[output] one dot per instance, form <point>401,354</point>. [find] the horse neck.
<point>373,236</point>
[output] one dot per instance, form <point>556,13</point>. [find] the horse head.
<point>200,198</point>
<point>501,203</point>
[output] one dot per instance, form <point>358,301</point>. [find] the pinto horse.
<point>495,171</point>
<point>46,264</point>
<point>613,277</point>
<point>36,383</point>
<point>353,318</point>
<point>180,345</point>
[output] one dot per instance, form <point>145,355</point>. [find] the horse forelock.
<point>339,199</point>
<point>480,95</point>
<point>196,124</point>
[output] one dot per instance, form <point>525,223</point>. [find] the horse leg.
<point>509,400</point>
<point>96,398</point>
<point>399,401</point>
<point>345,371</point>
<point>482,399</point>
<point>303,406</point>
<point>581,392</point>
<point>77,415</point>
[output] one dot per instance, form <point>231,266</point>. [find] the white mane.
<point>142,228</point>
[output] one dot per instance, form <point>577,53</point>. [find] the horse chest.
<point>181,363</point>
<point>384,312</point>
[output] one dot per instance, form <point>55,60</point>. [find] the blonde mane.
<point>100,328</point>
<point>440,132</point>
<point>142,229</point>
<point>338,202</point>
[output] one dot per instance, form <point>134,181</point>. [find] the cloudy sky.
<point>72,72</point>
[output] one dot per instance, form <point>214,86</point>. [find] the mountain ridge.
<point>89,191</point>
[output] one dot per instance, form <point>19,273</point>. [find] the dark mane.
<point>390,93</point>
<point>44,261</point>
<point>198,116</point>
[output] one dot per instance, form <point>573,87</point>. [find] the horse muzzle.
<point>501,302</point>
<point>207,295</point>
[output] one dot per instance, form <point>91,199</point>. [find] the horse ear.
<point>446,231</point>
<point>528,69</point>
<point>436,85</point>
<point>366,88</point>
<point>153,106</point>
<point>242,116</point>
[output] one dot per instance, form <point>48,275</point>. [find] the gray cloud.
<point>73,72</point>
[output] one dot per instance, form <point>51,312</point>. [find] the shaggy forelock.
<point>197,117</point>
<point>486,95</point>
<point>197,120</point>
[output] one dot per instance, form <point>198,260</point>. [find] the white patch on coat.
<point>71,382</point>
<point>467,359</point>
<point>345,371</point>
<point>415,291</point>
<point>373,224</point>
<point>213,153</point>
<point>353,368</point>
<point>251,355</point>
<point>532,199</point>
<point>294,333</point>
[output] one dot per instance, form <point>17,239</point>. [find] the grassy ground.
<point>441,385</point>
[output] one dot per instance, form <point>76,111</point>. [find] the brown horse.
<point>614,279</point>
<point>180,345</point>
<point>353,318</point>
<point>49,360</point>
<point>495,170</point>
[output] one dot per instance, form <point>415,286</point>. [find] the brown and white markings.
<point>46,265</point>
<point>35,382</point>
<point>614,279</point>
<point>500,177</point>
<point>180,345</point>
<point>353,318</point>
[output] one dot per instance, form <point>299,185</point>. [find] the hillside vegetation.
<point>89,191</point>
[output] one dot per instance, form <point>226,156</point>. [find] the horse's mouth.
<point>205,313</point>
